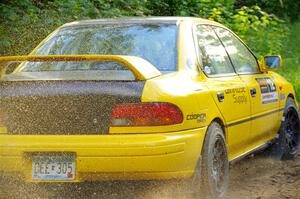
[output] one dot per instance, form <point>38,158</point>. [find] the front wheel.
<point>287,145</point>
<point>212,173</point>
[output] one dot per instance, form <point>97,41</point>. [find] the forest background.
<point>269,27</point>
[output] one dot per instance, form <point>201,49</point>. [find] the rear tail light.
<point>146,114</point>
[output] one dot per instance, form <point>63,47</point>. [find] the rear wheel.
<point>211,176</point>
<point>287,145</point>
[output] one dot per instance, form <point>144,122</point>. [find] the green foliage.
<point>291,71</point>
<point>289,9</point>
<point>24,23</point>
<point>185,7</point>
<point>264,32</point>
<point>291,58</point>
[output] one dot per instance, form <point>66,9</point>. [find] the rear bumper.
<point>109,157</point>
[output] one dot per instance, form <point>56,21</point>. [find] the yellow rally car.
<point>142,98</point>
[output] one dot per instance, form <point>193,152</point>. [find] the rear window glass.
<point>156,43</point>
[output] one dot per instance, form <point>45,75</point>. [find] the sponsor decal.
<point>235,90</point>
<point>268,90</point>
<point>238,94</point>
<point>200,117</point>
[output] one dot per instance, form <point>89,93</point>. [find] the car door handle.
<point>253,92</point>
<point>220,96</point>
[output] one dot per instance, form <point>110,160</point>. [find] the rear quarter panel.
<point>188,93</point>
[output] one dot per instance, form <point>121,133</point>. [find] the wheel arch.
<point>222,124</point>
<point>291,96</point>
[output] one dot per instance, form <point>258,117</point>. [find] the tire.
<point>287,144</point>
<point>212,172</point>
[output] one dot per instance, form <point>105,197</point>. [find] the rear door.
<point>261,87</point>
<point>227,88</point>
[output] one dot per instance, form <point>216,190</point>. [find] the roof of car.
<point>140,20</point>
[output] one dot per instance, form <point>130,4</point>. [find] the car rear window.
<point>156,43</point>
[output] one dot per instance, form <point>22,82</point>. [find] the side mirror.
<point>270,63</point>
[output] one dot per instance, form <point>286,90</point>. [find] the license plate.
<point>53,167</point>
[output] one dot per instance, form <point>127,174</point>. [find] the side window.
<point>242,59</point>
<point>213,57</point>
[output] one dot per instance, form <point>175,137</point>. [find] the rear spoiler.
<point>141,68</point>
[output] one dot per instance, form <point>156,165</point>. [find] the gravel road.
<point>257,177</point>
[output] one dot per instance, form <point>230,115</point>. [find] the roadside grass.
<point>291,58</point>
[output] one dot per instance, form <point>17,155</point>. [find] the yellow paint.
<point>3,130</point>
<point>141,68</point>
<point>163,151</point>
<point>106,154</point>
